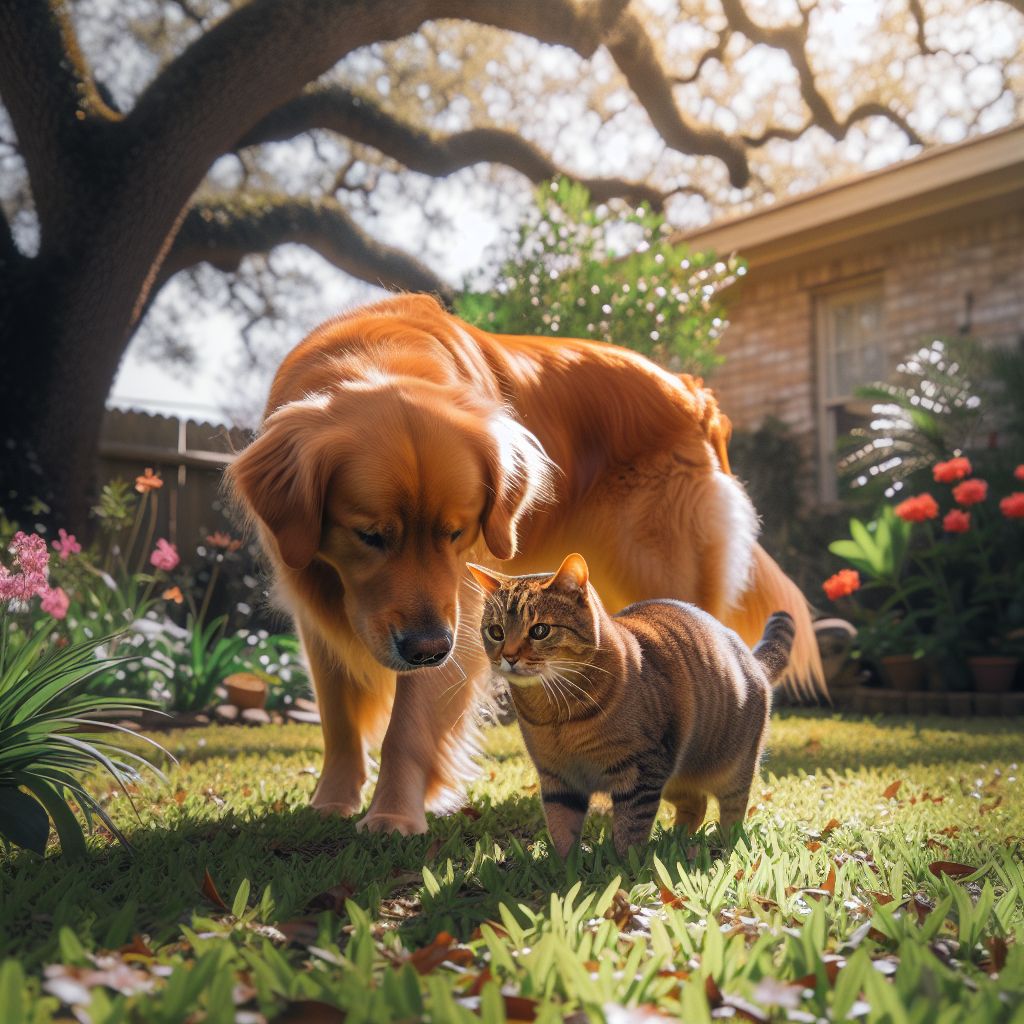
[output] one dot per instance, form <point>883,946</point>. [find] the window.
<point>851,352</point>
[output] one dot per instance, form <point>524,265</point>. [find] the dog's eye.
<point>456,534</point>
<point>371,539</point>
<point>496,633</point>
<point>539,631</point>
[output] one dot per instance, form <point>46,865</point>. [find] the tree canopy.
<point>147,138</point>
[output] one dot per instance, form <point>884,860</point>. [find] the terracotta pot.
<point>993,673</point>
<point>903,672</point>
<point>246,690</point>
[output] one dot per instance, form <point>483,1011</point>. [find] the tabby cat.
<point>660,700</point>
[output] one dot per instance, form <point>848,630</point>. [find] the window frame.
<point>825,301</point>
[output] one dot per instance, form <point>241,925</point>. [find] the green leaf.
<point>69,828</point>
<point>241,900</point>
<point>23,820</point>
<point>13,1001</point>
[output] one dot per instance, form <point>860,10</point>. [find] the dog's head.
<point>392,483</point>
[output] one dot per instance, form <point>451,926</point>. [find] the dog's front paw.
<point>329,809</point>
<point>403,824</point>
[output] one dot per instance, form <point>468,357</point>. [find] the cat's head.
<point>536,626</point>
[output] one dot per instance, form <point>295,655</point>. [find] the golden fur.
<point>400,442</point>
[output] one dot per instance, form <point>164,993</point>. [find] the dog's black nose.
<point>425,649</point>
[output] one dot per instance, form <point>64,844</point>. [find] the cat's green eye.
<point>496,633</point>
<point>539,631</point>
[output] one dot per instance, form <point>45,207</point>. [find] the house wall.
<point>770,346</point>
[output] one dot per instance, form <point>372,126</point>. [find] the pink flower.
<point>956,521</point>
<point>29,550</point>
<point>950,472</point>
<point>165,555</point>
<point>970,492</point>
<point>1012,506</point>
<point>55,602</point>
<point>1019,472</point>
<point>66,545</point>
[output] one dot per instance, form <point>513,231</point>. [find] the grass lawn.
<point>848,898</point>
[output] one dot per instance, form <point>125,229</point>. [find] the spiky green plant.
<point>929,411</point>
<point>44,750</point>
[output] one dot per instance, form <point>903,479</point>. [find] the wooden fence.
<point>190,456</point>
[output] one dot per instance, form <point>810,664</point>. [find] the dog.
<point>400,442</point>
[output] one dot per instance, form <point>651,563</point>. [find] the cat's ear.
<point>572,576</point>
<point>487,581</point>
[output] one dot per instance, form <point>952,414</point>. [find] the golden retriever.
<point>399,443</point>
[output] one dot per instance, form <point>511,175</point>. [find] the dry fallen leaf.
<point>829,885</point>
<point>310,1011</point>
<point>210,892</point>
<point>813,846</point>
<point>444,948</point>
<point>621,911</point>
<point>951,868</point>
<point>891,790</point>
<point>520,1008</point>
<point>670,899</point>
<point>997,950</point>
<point>301,931</point>
<point>832,825</point>
<point>332,899</point>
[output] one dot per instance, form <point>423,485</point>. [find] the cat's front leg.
<point>633,815</point>
<point>564,810</point>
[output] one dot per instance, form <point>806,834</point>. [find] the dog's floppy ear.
<point>282,479</point>
<point>520,477</point>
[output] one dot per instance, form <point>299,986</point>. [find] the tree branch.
<point>792,40</point>
<point>54,106</point>
<point>633,51</point>
<point>338,110</point>
<point>223,233</point>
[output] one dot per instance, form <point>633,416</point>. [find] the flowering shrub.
<point>608,273</point>
<point>952,587</point>
<point>122,595</point>
<point>43,706</point>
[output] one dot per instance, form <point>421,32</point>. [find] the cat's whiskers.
<point>589,665</point>
<point>556,682</point>
<point>582,693</point>
<point>552,695</point>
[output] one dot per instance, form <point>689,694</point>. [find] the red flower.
<point>917,509</point>
<point>950,472</point>
<point>846,581</point>
<point>957,521</point>
<point>970,492</point>
<point>1019,472</point>
<point>1012,506</point>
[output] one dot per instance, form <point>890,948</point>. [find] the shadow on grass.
<point>297,863</point>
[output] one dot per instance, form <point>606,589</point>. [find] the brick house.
<point>846,280</point>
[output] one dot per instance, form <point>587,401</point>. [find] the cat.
<point>659,700</point>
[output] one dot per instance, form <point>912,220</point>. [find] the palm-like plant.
<point>932,408</point>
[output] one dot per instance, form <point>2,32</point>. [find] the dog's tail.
<point>771,590</point>
<point>776,643</point>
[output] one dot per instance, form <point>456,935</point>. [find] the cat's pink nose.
<point>511,658</point>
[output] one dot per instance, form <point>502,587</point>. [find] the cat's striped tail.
<point>775,645</point>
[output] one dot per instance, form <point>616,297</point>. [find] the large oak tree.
<point>124,185</point>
